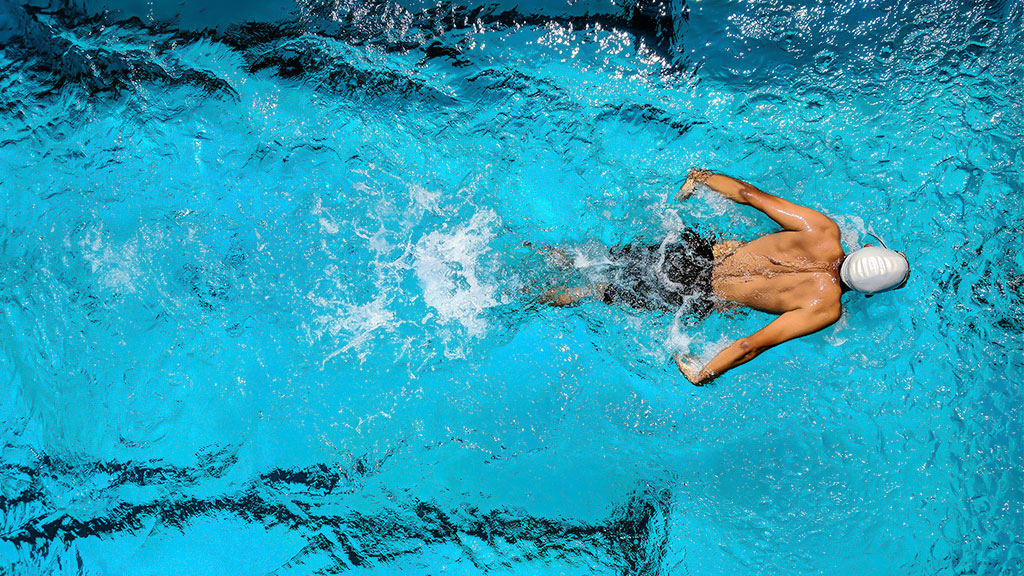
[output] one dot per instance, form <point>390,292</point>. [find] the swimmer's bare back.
<point>793,273</point>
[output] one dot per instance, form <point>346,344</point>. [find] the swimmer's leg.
<point>558,257</point>
<point>563,296</point>
<point>555,256</point>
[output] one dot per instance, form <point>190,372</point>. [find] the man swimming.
<point>800,274</point>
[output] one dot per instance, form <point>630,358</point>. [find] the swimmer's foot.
<point>558,257</point>
<point>561,296</point>
<point>555,256</point>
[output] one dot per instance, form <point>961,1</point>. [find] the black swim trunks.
<point>656,278</point>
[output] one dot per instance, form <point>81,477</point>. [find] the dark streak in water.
<point>58,43</point>
<point>632,538</point>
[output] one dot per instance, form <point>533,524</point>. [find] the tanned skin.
<point>793,273</point>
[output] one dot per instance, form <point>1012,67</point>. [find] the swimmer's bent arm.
<point>788,326</point>
<point>787,214</point>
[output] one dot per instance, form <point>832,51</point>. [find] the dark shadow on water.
<point>107,53</point>
<point>631,540</point>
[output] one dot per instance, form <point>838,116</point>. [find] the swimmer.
<point>799,274</point>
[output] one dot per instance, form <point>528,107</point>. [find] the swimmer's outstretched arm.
<point>788,326</point>
<point>787,214</point>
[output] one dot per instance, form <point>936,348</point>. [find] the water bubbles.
<point>300,309</point>
<point>815,102</point>
<point>885,52</point>
<point>823,61</point>
<point>451,273</point>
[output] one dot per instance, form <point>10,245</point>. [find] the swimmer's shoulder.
<point>825,299</point>
<point>825,240</point>
<point>816,312</point>
<point>825,226</point>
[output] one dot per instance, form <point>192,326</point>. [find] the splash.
<point>452,276</point>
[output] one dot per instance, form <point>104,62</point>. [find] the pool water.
<point>268,283</point>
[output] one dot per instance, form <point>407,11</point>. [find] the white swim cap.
<point>873,269</point>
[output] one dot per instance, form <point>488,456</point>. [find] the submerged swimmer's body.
<point>799,274</point>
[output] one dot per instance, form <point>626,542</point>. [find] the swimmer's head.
<point>873,269</point>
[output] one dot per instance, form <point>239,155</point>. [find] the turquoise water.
<point>267,275</point>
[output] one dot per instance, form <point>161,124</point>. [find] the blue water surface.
<point>268,278</point>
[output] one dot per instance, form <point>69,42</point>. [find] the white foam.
<point>836,335</point>
<point>326,220</point>
<point>712,349</point>
<point>680,342</point>
<point>715,202</point>
<point>115,266</point>
<point>851,230</point>
<point>352,323</point>
<point>447,266</point>
<point>671,222</point>
<point>424,198</point>
<point>590,256</point>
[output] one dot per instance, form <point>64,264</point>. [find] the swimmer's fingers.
<point>689,367</point>
<point>694,177</point>
<point>686,190</point>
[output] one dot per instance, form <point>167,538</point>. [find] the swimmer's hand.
<point>694,177</point>
<point>686,190</point>
<point>688,365</point>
